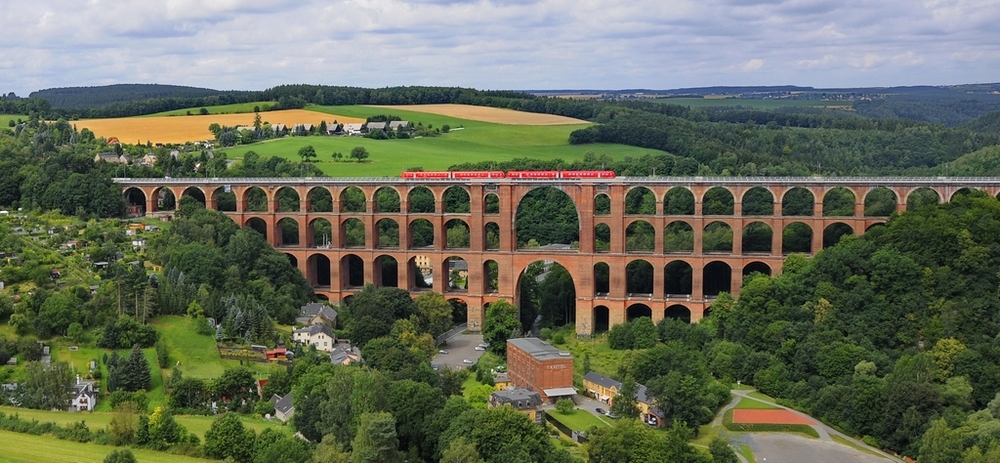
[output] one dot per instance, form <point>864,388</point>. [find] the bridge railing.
<point>955,181</point>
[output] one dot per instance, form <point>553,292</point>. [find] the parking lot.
<point>459,348</point>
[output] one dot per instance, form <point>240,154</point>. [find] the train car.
<point>478,174</point>
<point>587,174</point>
<point>533,174</point>
<point>426,175</point>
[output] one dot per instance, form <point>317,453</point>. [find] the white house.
<point>318,335</point>
<point>283,408</point>
<point>353,128</point>
<point>84,396</point>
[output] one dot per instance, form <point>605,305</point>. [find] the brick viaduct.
<point>684,279</point>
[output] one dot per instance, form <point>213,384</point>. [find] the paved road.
<point>459,347</point>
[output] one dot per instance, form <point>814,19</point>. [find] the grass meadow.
<point>196,354</point>
<point>235,108</point>
<point>474,141</point>
<point>751,404</point>
<point>578,419</point>
<point>6,118</point>
<point>97,420</point>
<point>26,448</point>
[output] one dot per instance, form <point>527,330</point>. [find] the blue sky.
<point>514,44</point>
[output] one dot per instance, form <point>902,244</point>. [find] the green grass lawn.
<point>219,109</point>
<point>6,118</point>
<point>752,103</point>
<point>760,396</point>
<point>25,448</point>
<point>475,142</point>
<point>97,420</point>
<point>197,353</point>
<point>603,359</point>
<point>750,404</point>
<point>578,419</point>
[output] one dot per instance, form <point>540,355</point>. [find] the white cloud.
<point>523,44</point>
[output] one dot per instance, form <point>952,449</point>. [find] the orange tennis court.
<point>769,417</point>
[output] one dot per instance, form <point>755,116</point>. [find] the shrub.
<point>121,455</point>
<point>565,406</point>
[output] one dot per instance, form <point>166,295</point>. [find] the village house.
<point>283,408</point>
<point>318,335</point>
<point>395,125</point>
<point>344,354</point>
<point>353,128</point>
<point>110,157</point>
<point>376,126</point>
<point>522,400</point>
<point>317,312</point>
<point>84,396</point>
<point>605,389</point>
<point>148,160</point>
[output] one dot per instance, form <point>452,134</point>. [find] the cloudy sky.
<point>499,44</point>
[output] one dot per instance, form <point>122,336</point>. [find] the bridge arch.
<point>758,267</point>
<point>717,238</point>
<point>922,197</point>
<point>320,199</point>
<point>537,225</point>
<point>678,237</point>
<point>254,200</point>
<point>353,200</point>
<point>678,312</point>
<point>352,233</point>
<point>457,200</point>
<point>640,200</point>
<point>757,238</point>
<point>639,278</point>
<point>757,201</point>
<point>286,232</point>
<point>318,270</point>
<point>456,234</point>
<point>224,201</point>
<point>421,200</point>
<point>677,279</point>
<point>880,202</point>
<point>640,236</point>
<point>637,310</point>
<point>833,232</point>
<point>387,200</point>
<point>319,234</point>
<point>602,204</point>
<point>717,278</point>
<point>797,237</point>
<point>421,233</point>
<point>797,201</point>
<point>678,200</point>
<point>718,201</point>
<point>135,201</point>
<point>491,204</point>
<point>352,271</point>
<point>386,271</point>
<point>387,234</point>
<point>839,202</point>
<point>256,224</point>
<point>287,199</point>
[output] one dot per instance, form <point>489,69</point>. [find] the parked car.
<point>600,411</point>
<point>480,348</point>
<point>442,352</point>
<point>484,345</point>
<point>467,361</point>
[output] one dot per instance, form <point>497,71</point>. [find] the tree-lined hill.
<point>94,97</point>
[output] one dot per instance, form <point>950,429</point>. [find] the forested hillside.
<point>92,97</point>
<point>883,333</point>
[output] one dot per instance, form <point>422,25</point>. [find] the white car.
<point>467,361</point>
<point>442,352</point>
<point>483,345</point>
<point>480,348</point>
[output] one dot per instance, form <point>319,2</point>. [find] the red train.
<point>527,174</point>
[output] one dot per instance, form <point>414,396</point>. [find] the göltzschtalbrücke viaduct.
<point>320,223</point>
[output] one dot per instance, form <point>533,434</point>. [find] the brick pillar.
<point>776,234</point>
<point>699,229</point>
<point>817,235</point>
<point>697,281</point>
<point>736,281</point>
<point>369,270</point>
<point>584,317</point>
<point>737,237</point>
<point>304,235</point>
<point>585,206</point>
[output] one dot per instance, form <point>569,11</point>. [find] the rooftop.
<point>539,349</point>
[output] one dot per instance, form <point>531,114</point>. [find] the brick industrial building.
<point>536,365</point>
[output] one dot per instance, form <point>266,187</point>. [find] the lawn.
<point>760,396</point>
<point>474,142</point>
<point>6,118</point>
<point>97,420</point>
<point>750,404</point>
<point>219,109</point>
<point>578,419</point>
<point>754,103</point>
<point>25,448</point>
<point>603,359</point>
<point>195,354</point>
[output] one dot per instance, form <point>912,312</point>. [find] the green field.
<point>97,420</point>
<point>6,118</point>
<point>473,142</point>
<point>750,404</point>
<point>752,103</point>
<point>220,109</point>
<point>25,448</point>
<point>196,354</point>
<point>578,420</point>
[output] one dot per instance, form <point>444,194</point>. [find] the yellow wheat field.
<point>180,129</point>
<point>486,114</point>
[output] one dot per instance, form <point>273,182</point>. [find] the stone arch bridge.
<point>707,232</point>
